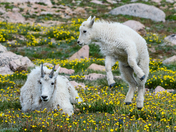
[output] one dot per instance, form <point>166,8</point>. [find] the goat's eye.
<point>84,31</point>
<point>39,82</point>
<point>52,83</point>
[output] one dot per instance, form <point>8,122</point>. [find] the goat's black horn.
<point>42,73</point>
<point>52,72</point>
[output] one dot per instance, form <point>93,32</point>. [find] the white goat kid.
<point>123,44</point>
<point>44,88</point>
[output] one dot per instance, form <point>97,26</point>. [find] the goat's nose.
<point>44,97</point>
<point>78,42</point>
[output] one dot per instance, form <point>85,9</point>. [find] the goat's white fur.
<point>61,94</point>
<point>123,44</point>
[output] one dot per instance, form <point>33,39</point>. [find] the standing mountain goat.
<point>123,44</point>
<point>44,88</point>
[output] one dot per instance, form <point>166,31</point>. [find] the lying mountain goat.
<point>123,44</point>
<point>44,88</point>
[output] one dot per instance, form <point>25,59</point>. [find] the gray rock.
<point>140,10</point>
<point>96,67</point>
<point>94,76</point>
<point>13,17</point>
<point>3,49</point>
<point>81,54</point>
<point>159,89</point>
<point>65,70</point>
<point>47,2</point>
<point>15,62</point>
<point>137,26</point>
<point>5,70</point>
<point>23,63</point>
<point>171,39</point>
<point>2,10</point>
<point>77,85</point>
<point>170,60</point>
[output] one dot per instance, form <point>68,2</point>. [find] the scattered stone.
<point>94,76</point>
<point>171,1</point>
<point>48,65</point>
<point>80,11</point>
<point>96,67</point>
<point>49,13</point>
<point>14,61</point>
<point>159,89</point>
<point>65,70</point>
<point>111,1</point>
<point>3,49</point>
<point>97,2</point>
<point>77,85</point>
<point>5,70</point>
<point>171,39</point>
<point>152,49</point>
<point>68,11</point>
<point>140,10</point>
<point>50,23</point>
<point>81,54</point>
<point>170,90</point>
<point>2,10</point>
<point>15,9</point>
<point>170,60</point>
<point>13,17</point>
<point>137,26</point>
<point>157,1</point>
<point>23,63</point>
<point>47,2</point>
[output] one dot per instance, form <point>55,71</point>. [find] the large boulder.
<point>3,49</point>
<point>20,64</point>
<point>5,70</point>
<point>14,62</point>
<point>140,10</point>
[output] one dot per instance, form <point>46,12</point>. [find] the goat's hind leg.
<point>128,76</point>
<point>132,55</point>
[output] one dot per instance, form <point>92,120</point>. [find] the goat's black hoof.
<point>111,85</point>
<point>128,103</point>
<point>142,78</point>
<point>139,108</point>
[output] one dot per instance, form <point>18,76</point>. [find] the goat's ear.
<point>89,19</point>
<point>92,22</point>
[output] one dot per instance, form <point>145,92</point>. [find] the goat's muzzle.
<point>44,98</point>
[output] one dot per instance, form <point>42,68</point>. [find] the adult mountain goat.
<point>123,44</point>
<point>44,88</point>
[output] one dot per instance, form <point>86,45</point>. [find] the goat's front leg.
<point>109,62</point>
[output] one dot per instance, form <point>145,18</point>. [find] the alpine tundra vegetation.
<point>50,34</point>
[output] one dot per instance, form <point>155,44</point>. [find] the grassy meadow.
<point>103,109</point>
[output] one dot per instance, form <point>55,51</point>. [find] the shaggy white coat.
<point>62,95</point>
<point>123,44</point>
